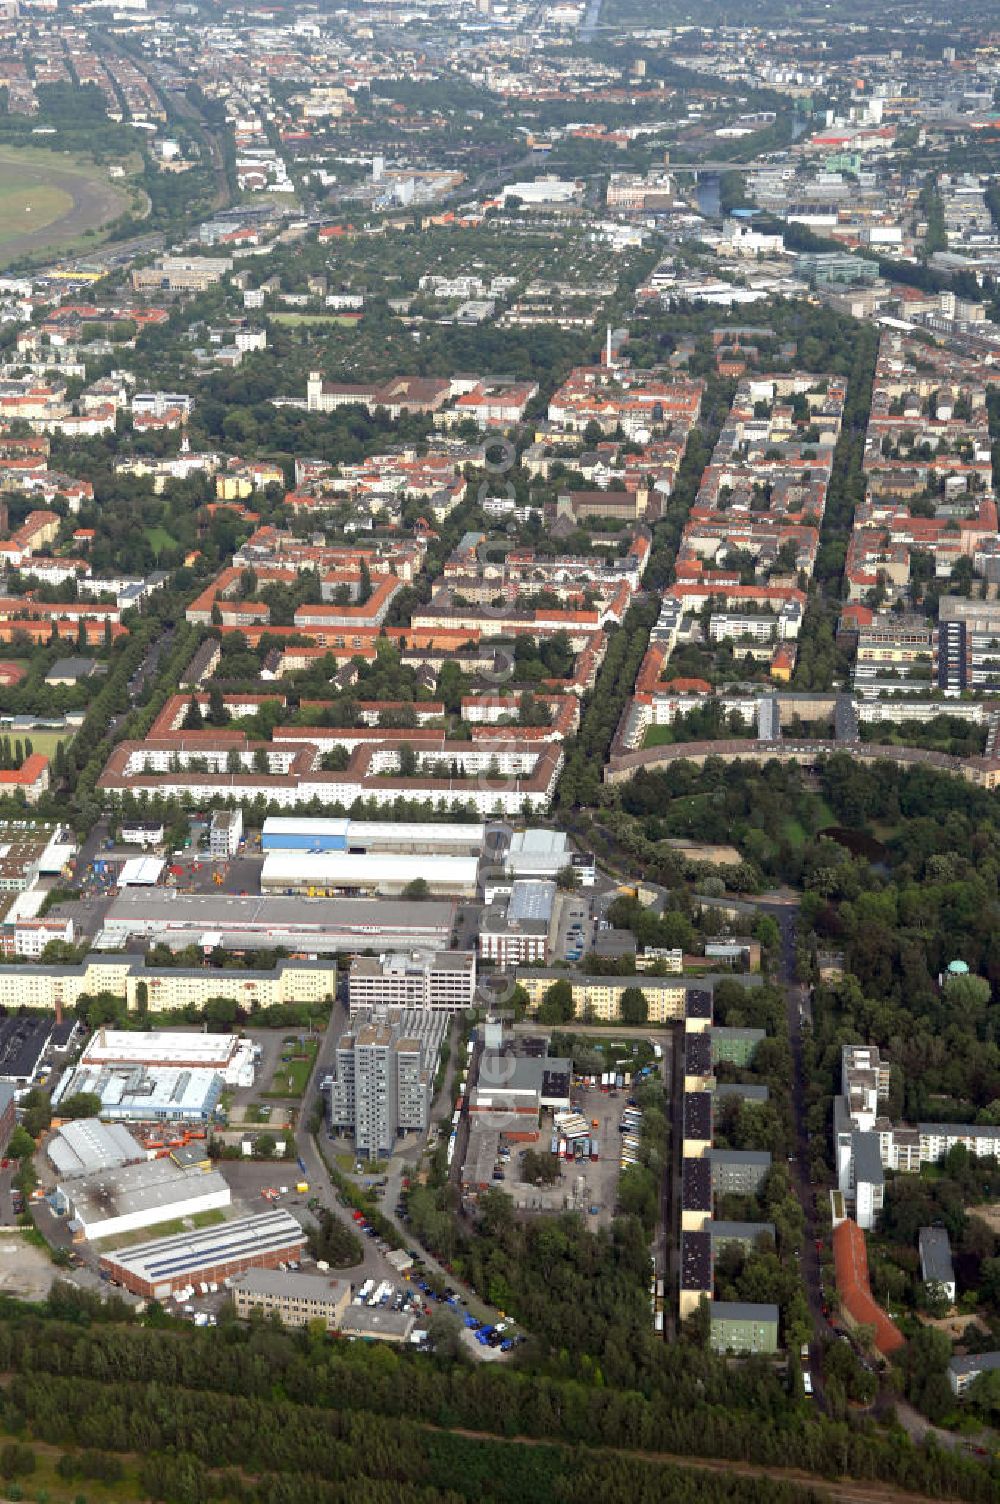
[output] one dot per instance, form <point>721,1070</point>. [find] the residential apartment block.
<point>384,1072</point>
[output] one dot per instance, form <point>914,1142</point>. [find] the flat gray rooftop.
<point>232,911</point>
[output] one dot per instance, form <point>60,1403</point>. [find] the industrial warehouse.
<point>315,925</point>
<point>109,1203</point>
<point>133,1093</point>
<point>210,1255</point>
<point>374,837</point>
<point>439,981</point>
<point>86,1145</point>
<point>390,873</point>
<point>23,1042</point>
<point>228,1055</point>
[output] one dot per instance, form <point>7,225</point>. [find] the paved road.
<point>374,1264</point>
<point>145,675</point>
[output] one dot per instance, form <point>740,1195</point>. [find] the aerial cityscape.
<point>499,752</point>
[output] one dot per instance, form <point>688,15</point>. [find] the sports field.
<point>48,200</point>
<point>294,320</point>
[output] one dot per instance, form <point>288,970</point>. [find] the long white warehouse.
<point>327,872</point>
<point>111,1202</point>
<point>341,833</point>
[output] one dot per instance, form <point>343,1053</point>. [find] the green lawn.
<point>824,815</point>
<point>293,319</point>
<point>290,1076</point>
<point>159,538</point>
<point>793,833</point>
<point>659,736</point>
<point>27,202</point>
<point>46,742</point>
<point>53,199</point>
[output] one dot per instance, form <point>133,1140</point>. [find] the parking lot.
<point>250,1105</point>
<point>574,927</point>
<point>240,874</point>
<point>467,920</point>
<point>422,1295</point>
<point>11,1201</point>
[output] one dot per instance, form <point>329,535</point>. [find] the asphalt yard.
<point>583,1184</point>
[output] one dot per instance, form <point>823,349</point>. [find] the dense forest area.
<point>258,1415</point>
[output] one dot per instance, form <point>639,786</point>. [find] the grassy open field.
<point>22,192</point>
<point>50,199</point>
<point>159,538</point>
<point>294,319</point>
<point>46,742</point>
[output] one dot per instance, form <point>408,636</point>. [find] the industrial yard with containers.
<point>515,1096</point>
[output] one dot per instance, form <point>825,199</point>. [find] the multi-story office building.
<point>438,982</point>
<point>832,268</point>
<point>518,933</point>
<point>967,645</point>
<point>373,1085</point>
<point>296,1298</point>
<point>895,651</point>
<point>175,272</point>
